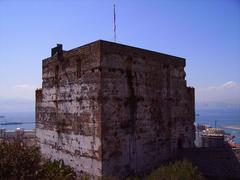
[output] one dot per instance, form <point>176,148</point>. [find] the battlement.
<point>38,94</point>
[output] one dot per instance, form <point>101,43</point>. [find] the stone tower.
<point>114,110</point>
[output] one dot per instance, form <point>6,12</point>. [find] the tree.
<point>18,161</point>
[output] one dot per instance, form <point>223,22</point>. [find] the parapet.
<point>57,50</point>
<point>38,94</point>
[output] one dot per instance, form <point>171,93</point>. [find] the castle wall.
<point>67,109</point>
<point>147,109</point>
<point>113,110</point>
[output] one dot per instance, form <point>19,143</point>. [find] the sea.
<point>26,118</point>
<point>228,119</point>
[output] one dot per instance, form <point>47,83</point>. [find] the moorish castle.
<point>113,110</point>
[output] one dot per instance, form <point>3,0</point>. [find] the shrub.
<point>56,170</point>
<point>18,161</point>
<point>176,171</point>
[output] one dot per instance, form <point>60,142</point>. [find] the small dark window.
<point>79,68</point>
<point>56,70</point>
<point>165,66</point>
<point>129,61</point>
<point>169,124</point>
<point>56,73</point>
<point>180,143</point>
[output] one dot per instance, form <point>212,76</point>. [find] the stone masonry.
<point>108,109</point>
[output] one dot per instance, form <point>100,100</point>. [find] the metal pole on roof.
<point>114,24</point>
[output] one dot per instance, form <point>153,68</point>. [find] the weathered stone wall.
<point>114,110</point>
<point>147,109</point>
<point>68,112</point>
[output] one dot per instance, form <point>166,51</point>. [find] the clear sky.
<point>206,33</point>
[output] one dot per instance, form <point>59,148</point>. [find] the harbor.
<point>26,136</point>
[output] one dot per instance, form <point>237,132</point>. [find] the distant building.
<point>209,137</point>
<point>26,136</point>
<point>114,110</point>
<point>212,141</point>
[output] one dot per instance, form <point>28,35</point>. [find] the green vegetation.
<point>18,161</point>
<point>176,171</point>
<point>179,170</point>
<point>56,170</point>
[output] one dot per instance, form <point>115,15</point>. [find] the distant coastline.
<point>234,127</point>
<point>11,123</point>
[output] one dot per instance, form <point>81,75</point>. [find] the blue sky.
<point>206,33</point>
